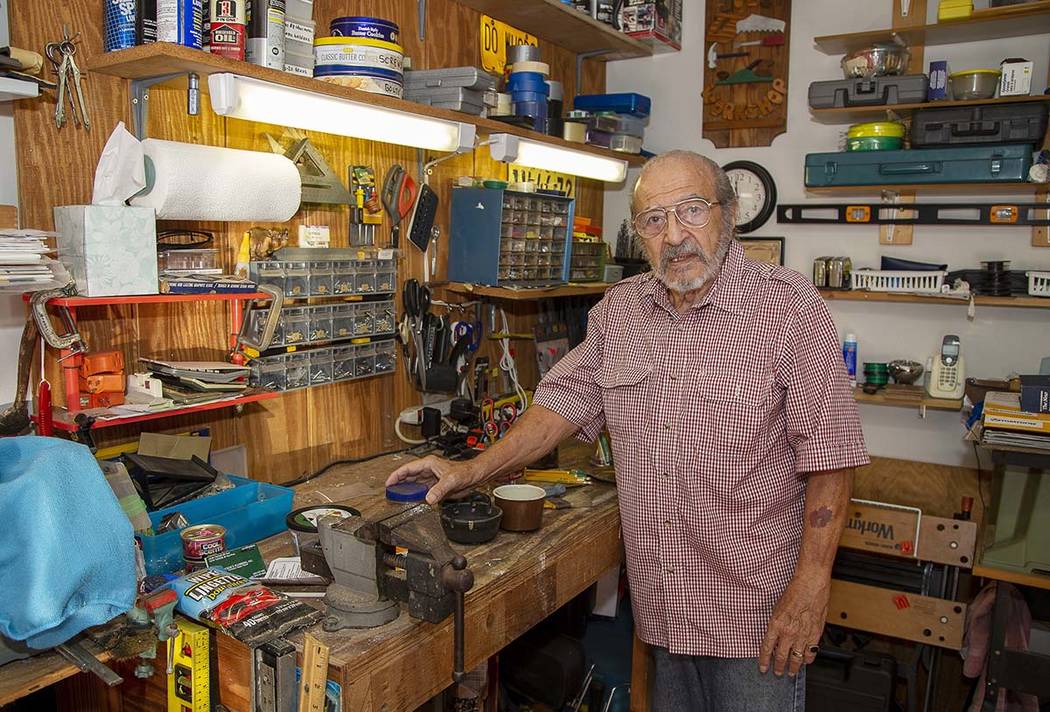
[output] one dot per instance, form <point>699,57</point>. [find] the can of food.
<point>820,271</point>
<point>266,25</point>
<point>836,273</point>
<point>202,540</point>
<point>119,21</point>
<point>180,22</point>
<point>371,81</point>
<point>360,53</point>
<point>229,19</point>
<point>373,28</point>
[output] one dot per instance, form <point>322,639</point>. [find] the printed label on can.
<point>296,69</point>
<point>202,540</point>
<point>180,22</point>
<point>299,32</point>
<point>365,57</point>
<point>119,25</point>
<point>228,28</point>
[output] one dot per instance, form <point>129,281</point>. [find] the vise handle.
<point>456,577</point>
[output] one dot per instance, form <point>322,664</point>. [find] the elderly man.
<point>735,435</point>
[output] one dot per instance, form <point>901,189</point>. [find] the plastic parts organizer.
<point>898,281</point>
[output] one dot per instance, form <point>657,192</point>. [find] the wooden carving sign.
<point>745,71</point>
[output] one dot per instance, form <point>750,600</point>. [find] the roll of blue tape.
<point>407,492</point>
<point>531,77</point>
<point>527,96</point>
<point>374,28</point>
<point>531,88</point>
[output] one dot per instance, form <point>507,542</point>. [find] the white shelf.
<point>15,89</point>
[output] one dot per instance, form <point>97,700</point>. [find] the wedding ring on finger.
<point>796,654</point>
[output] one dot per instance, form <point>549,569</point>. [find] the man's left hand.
<point>796,625</point>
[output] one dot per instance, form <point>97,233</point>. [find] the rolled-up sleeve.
<point>823,425</point>
<point>570,388</point>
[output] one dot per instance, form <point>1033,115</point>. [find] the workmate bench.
<point>520,579</point>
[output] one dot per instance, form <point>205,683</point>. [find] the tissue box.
<point>939,72</point>
<point>1017,78</point>
<point>108,250</point>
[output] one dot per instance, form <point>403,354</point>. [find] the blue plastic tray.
<point>633,104</point>
<point>251,511</point>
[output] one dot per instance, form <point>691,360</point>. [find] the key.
<point>60,107</point>
<point>79,91</point>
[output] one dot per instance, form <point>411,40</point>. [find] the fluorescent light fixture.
<point>250,99</point>
<point>514,149</point>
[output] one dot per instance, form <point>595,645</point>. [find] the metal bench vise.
<point>405,558</point>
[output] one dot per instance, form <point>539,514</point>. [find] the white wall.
<point>12,315</point>
<point>996,343</point>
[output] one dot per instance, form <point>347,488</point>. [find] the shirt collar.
<point>726,293</point>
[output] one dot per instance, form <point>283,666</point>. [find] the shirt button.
<point>674,377</point>
<point>667,426</point>
<point>666,474</point>
<point>667,522</point>
<point>668,570</point>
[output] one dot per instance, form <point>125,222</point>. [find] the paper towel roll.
<point>191,182</point>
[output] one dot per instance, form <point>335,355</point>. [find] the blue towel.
<point>67,553</point>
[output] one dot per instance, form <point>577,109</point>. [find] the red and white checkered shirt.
<point>714,414</point>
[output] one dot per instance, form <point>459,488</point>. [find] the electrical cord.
<point>401,436</point>
<point>508,365</point>
<point>334,463</point>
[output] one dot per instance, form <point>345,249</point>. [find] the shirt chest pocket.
<point>733,413</point>
<point>625,390</point>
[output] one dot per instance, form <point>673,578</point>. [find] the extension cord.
<point>414,415</point>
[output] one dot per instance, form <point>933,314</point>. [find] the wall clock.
<point>756,194</point>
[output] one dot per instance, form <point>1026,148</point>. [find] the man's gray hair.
<point>724,193</point>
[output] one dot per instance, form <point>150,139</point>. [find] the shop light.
<point>514,149</point>
<point>250,99</point>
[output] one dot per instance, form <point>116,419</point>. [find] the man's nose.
<point>675,234</point>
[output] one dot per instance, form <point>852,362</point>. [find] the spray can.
<point>179,22</point>
<point>849,355</point>
<point>119,25</point>
<point>206,26</point>
<point>229,20</point>
<point>145,21</point>
<point>266,20</point>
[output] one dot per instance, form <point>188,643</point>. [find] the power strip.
<point>414,415</point>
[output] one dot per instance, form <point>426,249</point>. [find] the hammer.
<point>713,55</point>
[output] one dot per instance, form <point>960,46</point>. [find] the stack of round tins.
<point>875,136</point>
<point>363,54</point>
<point>529,91</point>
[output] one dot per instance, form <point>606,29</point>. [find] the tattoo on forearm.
<point>820,518</point>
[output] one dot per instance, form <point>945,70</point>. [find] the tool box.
<point>995,123</point>
<point>450,78</point>
<point>502,237</point>
<point>876,91</point>
<point>1008,163</point>
<point>461,99</point>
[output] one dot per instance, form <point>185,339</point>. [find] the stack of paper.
<point>24,265</point>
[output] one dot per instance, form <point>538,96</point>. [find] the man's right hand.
<point>445,478</point>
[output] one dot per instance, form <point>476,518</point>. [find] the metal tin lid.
<point>407,492</point>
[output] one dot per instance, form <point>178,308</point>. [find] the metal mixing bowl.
<point>876,61</point>
<point>974,84</point>
<point>906,372</point>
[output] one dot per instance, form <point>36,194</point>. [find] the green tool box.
<point>1007,163</point>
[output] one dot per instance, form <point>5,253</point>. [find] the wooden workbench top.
<point>520,579</point>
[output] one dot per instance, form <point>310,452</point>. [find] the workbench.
<point>520,579</point>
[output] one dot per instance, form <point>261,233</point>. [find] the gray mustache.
<point>683,250</point>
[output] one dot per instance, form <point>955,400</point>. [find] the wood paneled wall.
<point>304,430</point>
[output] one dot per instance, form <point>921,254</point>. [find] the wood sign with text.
<point>745,71</point>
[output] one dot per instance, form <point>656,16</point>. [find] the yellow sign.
<point>496,36</point>
<point>544,180</point>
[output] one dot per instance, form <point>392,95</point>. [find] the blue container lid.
<point>364,19</point>
<point>407,492</point>
<point>353,70</point>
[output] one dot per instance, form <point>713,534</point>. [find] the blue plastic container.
<point>633,104</point>
<point>373,28</point>
<point>251,511</point>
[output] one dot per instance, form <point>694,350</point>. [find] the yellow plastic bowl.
<point>889,129</point>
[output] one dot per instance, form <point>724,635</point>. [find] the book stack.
<point>195,382</point>
<point>1006,424</point>
<point>24,264</point>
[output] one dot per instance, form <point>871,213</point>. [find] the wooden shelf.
<point>21,678</point>
<point>75,302</point>
<point>1016,577</point>
<point>527,294</point>
<point>845,295</point>
<point>64,420</point>
<point>1015,21</point>
<point>945,188</point>
<point>162,58</point>
<point>564,26</point>
<point>852,114</point>
<point>881,399</point>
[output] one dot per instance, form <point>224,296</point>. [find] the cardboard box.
<point>108,250</point>
<point>656,21</point>
<point>1035,394</point>
<point>939,73</point>
<point>1017,77</point>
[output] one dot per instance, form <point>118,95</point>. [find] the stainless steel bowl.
<point>974,84</point>
<point>906,372</point>
<point>876,61</point>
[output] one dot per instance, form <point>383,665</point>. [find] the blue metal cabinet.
<point>501,237</point>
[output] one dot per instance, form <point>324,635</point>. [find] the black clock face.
<point>756,194</point>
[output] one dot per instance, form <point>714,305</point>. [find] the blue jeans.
<point>699,683</point>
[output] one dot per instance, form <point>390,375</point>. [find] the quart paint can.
<point>229,19</point>
<point>119,32</point>
<point>180,22</point>
<point>203,540</point>
<point>266,25</point>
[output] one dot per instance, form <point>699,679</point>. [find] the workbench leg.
<point>640,663</point>
<point>992,663</point>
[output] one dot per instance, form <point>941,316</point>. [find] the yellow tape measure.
<point>315,675</point>
<point>189,683</point>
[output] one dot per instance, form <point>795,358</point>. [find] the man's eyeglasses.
<point>691,212</point>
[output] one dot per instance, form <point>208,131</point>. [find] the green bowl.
<point>495,184</point>
<point>874,143</point>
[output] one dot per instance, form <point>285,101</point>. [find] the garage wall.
<point>995,343</point>
<point>11,314</point>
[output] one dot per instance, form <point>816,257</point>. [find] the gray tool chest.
<point>1007,163</point>
<point>840,93</point>
<point>993,123</point>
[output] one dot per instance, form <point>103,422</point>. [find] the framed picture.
<point>764,249</point>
